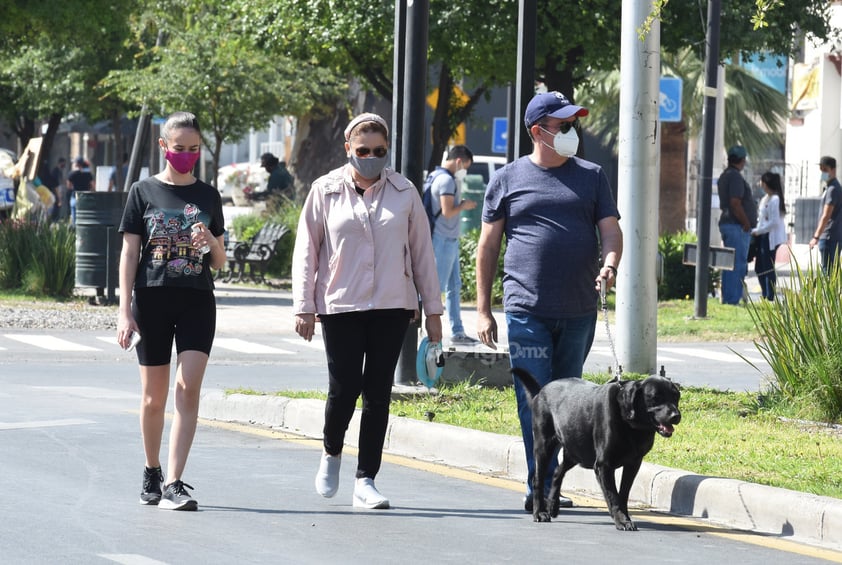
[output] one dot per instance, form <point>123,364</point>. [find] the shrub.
<point>37,257</point>
<point>468,268</point>
<point>679,280</point>
<point>285,212</point>
<point>802,342</point>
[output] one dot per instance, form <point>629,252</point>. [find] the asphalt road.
<point>72,470</point>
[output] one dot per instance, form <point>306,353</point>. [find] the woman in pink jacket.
<point>363,254</point>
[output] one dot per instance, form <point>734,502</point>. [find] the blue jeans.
<point>447,266</point>
<point>732,281</point>
<point>549,349</point>
<point>829,252</point>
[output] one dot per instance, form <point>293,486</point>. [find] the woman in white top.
<point>770,232</point>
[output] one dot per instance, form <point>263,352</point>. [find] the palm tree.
<point>754,116</point>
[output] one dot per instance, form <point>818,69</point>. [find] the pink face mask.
<point>183,161</point>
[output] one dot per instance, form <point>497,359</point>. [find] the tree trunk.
<point>441,117</point>
<point>672,208</point>
<point>318,147</point>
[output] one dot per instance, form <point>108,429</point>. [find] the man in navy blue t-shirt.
<point>556,211</point>
<point>828,234</point>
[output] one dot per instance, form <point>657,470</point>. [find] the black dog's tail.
<point>529,382</point>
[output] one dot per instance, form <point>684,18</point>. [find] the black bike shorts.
<point>164,313</point>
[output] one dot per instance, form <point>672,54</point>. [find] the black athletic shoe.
<point>175,497</point>
<point>153,478</point>
<point>563,502</point>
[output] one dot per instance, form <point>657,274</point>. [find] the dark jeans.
<point>362,352</point>
<point>549,348</point>
<point>829,252</point>
<point>764,266</point>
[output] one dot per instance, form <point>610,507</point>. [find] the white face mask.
<point>565,144</point>
<point>825,177</point>
<point>460,174</point>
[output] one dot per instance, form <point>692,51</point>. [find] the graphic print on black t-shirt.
<point>169,240</point>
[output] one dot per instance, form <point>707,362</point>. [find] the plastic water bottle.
<point>205,249</point>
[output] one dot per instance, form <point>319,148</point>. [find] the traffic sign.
<point>669,100</point>
<point>499,135</point>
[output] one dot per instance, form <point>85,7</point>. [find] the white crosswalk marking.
<point>317,342</point>
<point>49,342</point>
<point>43,424</point>
<point>236,344</point>
<point>712,355</point>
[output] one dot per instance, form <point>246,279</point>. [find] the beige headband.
<point>367,117</point>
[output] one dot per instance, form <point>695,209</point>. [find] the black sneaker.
<point>153,478</point>
<point>175,497</point>
<point>563,502</point>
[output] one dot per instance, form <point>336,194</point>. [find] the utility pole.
<point>705,175</point>
<point>398,82</point>
<point>526,31</point>
<point>412,143</point>
<point>639,178</point>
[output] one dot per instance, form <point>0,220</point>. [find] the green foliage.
<point>37,257</point>
<point>207,65</point>
<point>679,280</point>
<point>286,212</point>
<point>754,109</point>
<point>802,342</point>
<point>468,268</point>
<point>246,226</point>
<point>722,434</point>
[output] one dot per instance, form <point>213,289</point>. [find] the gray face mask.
<point>369,168</point>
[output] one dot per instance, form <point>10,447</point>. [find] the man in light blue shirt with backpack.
<point>445,184</point>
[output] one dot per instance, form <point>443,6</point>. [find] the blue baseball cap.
<point>553,104</point>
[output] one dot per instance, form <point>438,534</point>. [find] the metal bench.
<point>255,253</point>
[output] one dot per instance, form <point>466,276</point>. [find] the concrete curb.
<point>736,504</point>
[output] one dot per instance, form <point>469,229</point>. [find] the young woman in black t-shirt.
<point>166,293</point>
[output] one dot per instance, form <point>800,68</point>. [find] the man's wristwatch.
<point>613,269</point>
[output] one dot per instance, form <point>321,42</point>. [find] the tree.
<point>754,113</point>
<point>56,53</point>
<point>208,66</point>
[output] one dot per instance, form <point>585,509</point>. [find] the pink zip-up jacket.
<point>368,252</point>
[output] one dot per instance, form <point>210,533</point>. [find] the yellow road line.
<point>691,524</point>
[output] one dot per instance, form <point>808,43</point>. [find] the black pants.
<point>362,352</point>
<point>764,266</point>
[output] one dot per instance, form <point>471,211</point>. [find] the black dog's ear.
<point>627,397</point>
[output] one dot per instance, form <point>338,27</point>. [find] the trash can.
<point>472,189</point>
<point>98,244</point>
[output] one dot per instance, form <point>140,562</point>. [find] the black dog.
<point>598,427</point>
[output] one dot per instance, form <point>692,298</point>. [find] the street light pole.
<point>705,176</point>
<point>412,144</point>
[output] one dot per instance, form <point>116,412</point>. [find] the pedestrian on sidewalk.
<point>447,203</point>
<point>770,232</point>
<point>168,222</point>
<point>362,256</point>
<point>828,234</point>
<point>556,211</point>
<point>739,216</point>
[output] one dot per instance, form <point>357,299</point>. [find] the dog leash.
<point>603,289</point>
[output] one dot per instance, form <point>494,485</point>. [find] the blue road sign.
<point>499,135</point>
<point>669,101</point>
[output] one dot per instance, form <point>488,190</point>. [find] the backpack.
<point>427,197</point>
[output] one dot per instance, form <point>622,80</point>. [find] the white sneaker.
<point>366,495</point>
<point>327,479</point>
